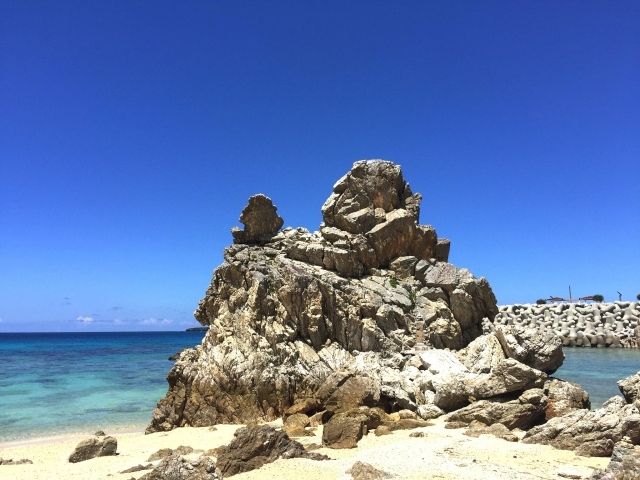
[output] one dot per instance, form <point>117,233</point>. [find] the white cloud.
<point>117,321</point>
<point>84,319</point>
<point>0,319</point>
<point>156,322</point>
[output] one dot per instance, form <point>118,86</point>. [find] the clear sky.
<point>132,134</point>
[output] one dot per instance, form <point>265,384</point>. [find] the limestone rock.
<point>477,428</point>
<point>365,471</point>
<point>176,467</point>
<point>101,446</point>
<point>10,461</point>
<point>295,425</point>
<point>522,412</point>
<point>624,464</point>
<point>630,388</point>
<point>539,350</point>
<point>590,433</point>
<point>260,220</point>
<point>344,430</point>
<point>564,397</point>
<point>254,446</point>
<point>166,452</point>
<point>287,309</point>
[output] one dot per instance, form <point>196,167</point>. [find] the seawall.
<point>615,324</point>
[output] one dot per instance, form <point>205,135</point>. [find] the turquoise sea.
<point>56,383</point>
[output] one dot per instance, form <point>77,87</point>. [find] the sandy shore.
<point>440,454</point>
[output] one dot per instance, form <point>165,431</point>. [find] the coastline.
<point>446,453</point>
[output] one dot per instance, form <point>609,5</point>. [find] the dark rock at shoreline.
<point>630,388</point>
<point>257,445</point>
<point>98,446</point>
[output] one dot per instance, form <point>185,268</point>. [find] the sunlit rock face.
<point>288,307</point>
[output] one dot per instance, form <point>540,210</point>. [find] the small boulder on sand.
<point>97,446</point>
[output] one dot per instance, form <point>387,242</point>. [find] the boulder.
<point>295,425</point>
<point>166,452</point>
<point>476,428</point>
<point>535,348</point>
<point>564,397</point>
<point>260,220</point>
<point>176,467</point>
<point>10,461</point>
<point>257,445</point>
<point>366,471</point>
<point>590,433</point>
<point>624,464</point>
<point>630,388</point>
<point>344,430</point>
<point>97,446</point>
<point>521,412</point>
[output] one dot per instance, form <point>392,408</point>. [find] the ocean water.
<point>598,370</point>
<point>57,383</point>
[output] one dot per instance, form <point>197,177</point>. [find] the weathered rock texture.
<point>579,325</point>
<point>176,467</point>
<point>258,445</point>
<point>624,464</point>
<point>287,310</point>
<point>96,446</point>
<point>592,433</point>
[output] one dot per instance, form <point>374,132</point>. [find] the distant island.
<point>197,329</point>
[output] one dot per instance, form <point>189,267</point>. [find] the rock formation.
<point>624,464</point>
<point>97,446</point>
<point>579,325</point>
<point>288,308</point>
<point>258,445</point>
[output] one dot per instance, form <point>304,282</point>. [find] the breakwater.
<point>615,324</point>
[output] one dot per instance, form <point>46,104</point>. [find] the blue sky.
<point>132,134</point>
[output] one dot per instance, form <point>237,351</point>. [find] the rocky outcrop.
<point>287,309</point>
<point>366,471</point>
<point>630,388</point>
<point>97,446</point>
<point>614,324</point>
<point>260,220</point>
<point>522,412</point>
<point>177,467</point>
<point>591,433</point>
<point>564,397</point>
<point>258,445</point>
<point>10,461</point>
<point>624,464</point>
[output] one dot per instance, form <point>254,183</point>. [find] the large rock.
<point>97,446</point>
<point>538,349</point>
<point>630,388</point>
<point>522,412</point>
<point>591,433</point>
<point>564,397</point>
<point>254,446</point>
<point>624,464</point>
<point>176,467</point>
<point>286,310</point>
<point>260,220</point>
<point>344,430</point>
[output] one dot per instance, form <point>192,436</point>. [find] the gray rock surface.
<point>591,433</point>
<point>630,388</point>
<point>97,446</point>
<point>521,412</point>
<point>260,220</point>
<point>564,397</point>
<point>366,471</point>
<point>288,311</point>
<point>538,349</point>
<point>256,445</point>
<point>177,467</point>
<point>624,464</point>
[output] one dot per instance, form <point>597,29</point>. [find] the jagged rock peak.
<point>363,197</point>
<point>260,220</point>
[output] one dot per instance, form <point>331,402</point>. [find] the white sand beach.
<point>440,454</point>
